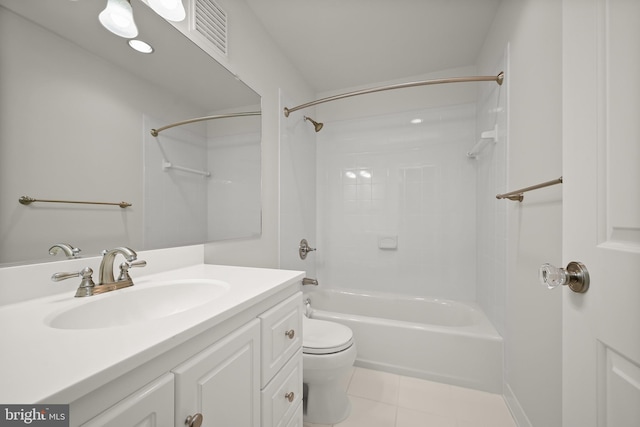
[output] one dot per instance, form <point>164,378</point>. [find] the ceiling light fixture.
<point>117,17</point>
<point>140,46</point>
<point>171,10</point>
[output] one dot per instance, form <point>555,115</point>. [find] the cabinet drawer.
<point>282,397</point>
<point>281,333</point>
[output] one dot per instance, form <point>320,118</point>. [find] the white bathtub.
<point>447,341</point>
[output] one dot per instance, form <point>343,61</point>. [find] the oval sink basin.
<point>133,305</point>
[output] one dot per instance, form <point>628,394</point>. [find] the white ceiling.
<point>338,44</point>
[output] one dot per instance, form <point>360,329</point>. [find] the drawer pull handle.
<point>290,396</point>
<point>194,421</point>
<point>290,334</point>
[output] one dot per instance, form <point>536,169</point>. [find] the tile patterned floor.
<point>381,399</point>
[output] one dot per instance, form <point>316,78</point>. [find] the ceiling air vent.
<point>211,23</point>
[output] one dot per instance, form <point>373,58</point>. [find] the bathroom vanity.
<point>207,344</point>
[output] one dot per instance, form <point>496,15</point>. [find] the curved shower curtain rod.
<point>155,132</point>
<point>498,79</point>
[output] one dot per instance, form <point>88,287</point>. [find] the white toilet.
<point>328,352</point>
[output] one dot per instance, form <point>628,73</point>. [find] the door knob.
<point>575,276</point>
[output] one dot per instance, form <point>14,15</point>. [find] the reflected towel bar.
<point>498,79</point>
<point>517,195</point>
<point>26,200</point>
<point>168,165</point>
<point>155,132</point>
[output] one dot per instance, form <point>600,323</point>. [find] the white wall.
<point>234,202</point>
<point>175,202</point>
<point>297,189</point>
<point>532,29</point>
<point>397,203</point>
<point>491,214</point>
<point>259,63</point>
<point>80,107</point>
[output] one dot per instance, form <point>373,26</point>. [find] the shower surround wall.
<point>491,213</point>
<point>396,203</point>
<point>184,208</point>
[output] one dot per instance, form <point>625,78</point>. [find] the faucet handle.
<point>86,284</point>
<point>125,266</point>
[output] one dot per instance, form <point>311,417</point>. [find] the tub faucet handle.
<point>304,249</point>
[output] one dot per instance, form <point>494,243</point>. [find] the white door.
<point>601,211</point>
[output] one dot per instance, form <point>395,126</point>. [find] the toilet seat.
<point>323,337</point>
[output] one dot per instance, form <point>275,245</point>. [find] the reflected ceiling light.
<point>117,17</point>
<point>350,174</point>
<point>171,10</point>
<point>416,121</point>
<point>140,46</point>
<point>365,174</point>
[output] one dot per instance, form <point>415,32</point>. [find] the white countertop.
<point>38,361</point>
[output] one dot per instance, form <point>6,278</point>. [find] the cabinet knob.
<point>290,334</point>
<point>194,420</point>
<point>290,396</point>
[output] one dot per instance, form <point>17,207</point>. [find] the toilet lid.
<point>323,337</point>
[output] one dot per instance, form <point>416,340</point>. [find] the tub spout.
<point>307,308</point>
<point>309,281</point>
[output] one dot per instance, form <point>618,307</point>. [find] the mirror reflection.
<point>76,111</point>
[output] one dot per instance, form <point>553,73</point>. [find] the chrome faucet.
<point>69,251</point>
<point>107,283</point>
<point>106,277</point>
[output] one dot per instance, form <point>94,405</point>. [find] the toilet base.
<point>325,388</point>
<point>325,404</point>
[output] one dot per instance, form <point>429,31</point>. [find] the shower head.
<point>316,125</point>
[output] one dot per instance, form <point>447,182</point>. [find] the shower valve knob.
<point>575,276</point>
<point>304,249</point>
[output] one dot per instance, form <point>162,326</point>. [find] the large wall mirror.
<point>76,109</point>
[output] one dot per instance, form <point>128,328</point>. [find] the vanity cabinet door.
<point>222,382</point>
<point>151,406</point>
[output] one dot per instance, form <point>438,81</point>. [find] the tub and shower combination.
<point>399,206</point>
<point>440,340</point>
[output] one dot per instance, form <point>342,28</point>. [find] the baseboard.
<point>516,409</point>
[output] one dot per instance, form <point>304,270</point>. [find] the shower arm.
<point>498,79</point>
